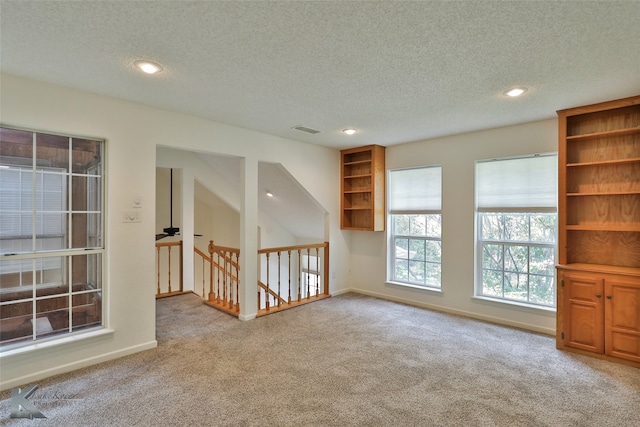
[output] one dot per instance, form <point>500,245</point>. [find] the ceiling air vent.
<point>305,129</point>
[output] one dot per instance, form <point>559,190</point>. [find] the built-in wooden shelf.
<point>362,188</point>
<point>599,230</point>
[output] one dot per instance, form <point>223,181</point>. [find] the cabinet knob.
<point>609,297</point>
<point>598,295</point>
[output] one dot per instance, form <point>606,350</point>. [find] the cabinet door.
<point>622,319</point>
<point>583,312</point>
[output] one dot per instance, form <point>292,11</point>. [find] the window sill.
<point>421,288</point>
<point>535,308</point>
<point>54,342</point>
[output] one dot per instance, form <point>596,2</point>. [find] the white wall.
<point>132,132</point>
<point>457,155</point>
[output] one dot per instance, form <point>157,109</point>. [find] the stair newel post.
<point>325,274</point>
<point>289,276</point>
<point>158,248</point>
<point>181,266</point>
<point>266,294</point>
<point>278,278</point>
<point>211,274</point>
<point>238,281</point>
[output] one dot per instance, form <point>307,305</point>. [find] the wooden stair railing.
<point>201,275</point>
<point>224,282</point>
<point>289,276</point>
<point>163,270</point>
<point>301,277</point>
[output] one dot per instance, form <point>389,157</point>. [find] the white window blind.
<point>415,190</point>
<point>512,185</point>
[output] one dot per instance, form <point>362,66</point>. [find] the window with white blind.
<point>516,223</point>
<point>415,205</point>
<point>51,227</point>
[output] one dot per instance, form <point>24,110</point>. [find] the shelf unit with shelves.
<point>362,191</point>
<point>599,230</point>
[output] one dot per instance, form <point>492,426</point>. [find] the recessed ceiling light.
<point>349,131</point>
<point>148,67</point>
<point>516,91</point>
<point>269,194</point>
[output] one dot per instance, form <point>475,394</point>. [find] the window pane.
<point>86,155</point>
<point>434,225</point>
<point>418,225</point>
<point>516,258</point>
<point>87,230</point>
<point>492,256</point>
<point>52,151</point>
<point>87,196</point>
<point>492,283</point>
<point>401,224</point>
<point>16,275</point>
<point>402,248</point>
<point>87,310</point>
<point>434,275</point>
<point>16,147</point>
<point>543,228</point>
<point>401,270</point>
<point>416,249</point>
<point>433,250</point>
<point>492,226</point>
<point>542,289</point>
<point>416,272</point>
<point>541,260</point>
<point>516,227</point>
<point>52,315</point>
<point>16,324</point>
<point>87,272</point>
<point>516,286</point>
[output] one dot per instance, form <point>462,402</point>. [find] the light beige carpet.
<point>349,360</point>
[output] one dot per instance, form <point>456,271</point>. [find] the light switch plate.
<point>131,216</point>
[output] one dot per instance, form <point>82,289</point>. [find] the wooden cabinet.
<point>599,312</point>
<point>599,229</point>
<point>362,188</point>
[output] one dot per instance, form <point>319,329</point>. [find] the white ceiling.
<point>397,71</point>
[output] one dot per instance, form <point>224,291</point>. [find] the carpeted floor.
<point>350,360</point>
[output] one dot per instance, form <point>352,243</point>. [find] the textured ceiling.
<point>397,71</point>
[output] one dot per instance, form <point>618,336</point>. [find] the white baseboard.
<point>39,375</point>
<point>490,319</point>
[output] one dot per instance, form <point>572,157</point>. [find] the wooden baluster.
<point>219,281</point>
<point>211,274</point>
<point>317,272</point>
<point>299,274</point>
<point>289,275</point>
<point>278,279</point>
<point>158,248</point>
<point>224,284</point>
<point>169,271</point>
<point>203,261</point>
<point>308,293</point>
<point>266,294</point>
